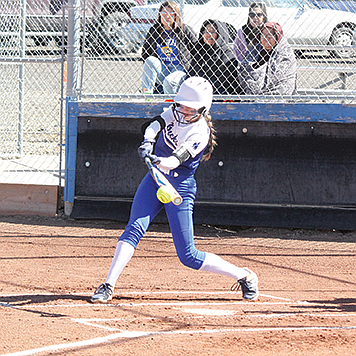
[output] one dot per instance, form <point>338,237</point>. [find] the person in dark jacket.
<point>167,51</point>
<point>213,59</point>
<point>247,44</point>
<point>274,72</point>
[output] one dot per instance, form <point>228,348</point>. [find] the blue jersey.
<point>193,137</point>
<point>168,51</point>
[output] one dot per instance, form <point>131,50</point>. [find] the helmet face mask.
<point>184,116</point>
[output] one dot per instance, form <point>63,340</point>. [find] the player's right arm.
<point>150,130</point>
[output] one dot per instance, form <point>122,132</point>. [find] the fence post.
<point>21,76</point>
<point>73,48</point>
<point>73,53</point>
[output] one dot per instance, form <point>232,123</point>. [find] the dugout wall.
<point>280,165</point>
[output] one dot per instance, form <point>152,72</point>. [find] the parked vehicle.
<point>303,23</point>
<point>340,5</point>
<point>44,20</point>
<point>343,5</point>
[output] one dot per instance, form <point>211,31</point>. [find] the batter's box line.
<point>95,322</point>
<point>139,334</point>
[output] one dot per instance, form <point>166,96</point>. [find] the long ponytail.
<point>212,139</point>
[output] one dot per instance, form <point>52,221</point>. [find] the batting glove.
<point>145,149</point>
<point>154,159</point>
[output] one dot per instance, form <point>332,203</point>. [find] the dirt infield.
<point>51,266</point>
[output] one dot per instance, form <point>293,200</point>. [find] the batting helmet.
<point>196,93</point>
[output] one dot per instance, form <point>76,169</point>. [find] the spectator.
<point>247,42</point>
<point>213,59</point>
<point>274,72</point>
<point>167,50</point>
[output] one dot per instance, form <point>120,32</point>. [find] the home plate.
<point>209,311</point>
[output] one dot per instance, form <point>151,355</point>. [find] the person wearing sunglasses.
<point>213,58</point>
<point>167,51</point>
<point>274,71</point>
<point>247,42</point>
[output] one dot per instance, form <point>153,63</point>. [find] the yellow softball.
<point>164,195</point>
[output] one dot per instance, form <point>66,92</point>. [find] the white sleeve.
<point>197,142</point>
<point>151,131</point>
<point>168,163</point>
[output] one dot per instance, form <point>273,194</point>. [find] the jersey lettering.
<point>170,135</point>
<point>193,138</point>
<point>167,50</point>
<point>196,145</point>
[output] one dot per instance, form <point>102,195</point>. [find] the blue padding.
<point>289,112</point>
<point>229,111</point>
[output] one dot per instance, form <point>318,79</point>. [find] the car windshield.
<point>290,3</point>
<point>189,2</point>
<point>269,3</point>
<point>347,5</point>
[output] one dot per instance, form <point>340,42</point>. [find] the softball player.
<point>185,132</point>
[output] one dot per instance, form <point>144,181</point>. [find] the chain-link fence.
<point>30,92</point>
<point>112,46</point>
<point>321,35</point>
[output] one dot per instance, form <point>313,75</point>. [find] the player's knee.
<point>190,260</point>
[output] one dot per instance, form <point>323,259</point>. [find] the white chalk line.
<point>73,345</point>
<point>95,322</point>
<point>137,334</point>
<point>227,313</point>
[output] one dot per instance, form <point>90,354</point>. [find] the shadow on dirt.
<point>25,301</point>
<point>60,221</point>
<point>223,232</point>
<point>347,305</point>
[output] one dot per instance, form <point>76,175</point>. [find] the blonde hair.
<point>212,139</point>
<point>178,21</point>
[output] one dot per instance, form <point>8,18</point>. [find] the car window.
<point>189,2</point>
<point>231,3</point>
<point>291,3</point>
<point>344,5</point>
<point>244,3</point>
<point>269,3</point>
<point>195,2</point>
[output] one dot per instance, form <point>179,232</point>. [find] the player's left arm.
<point>178,156</point>
<point>190,148</point>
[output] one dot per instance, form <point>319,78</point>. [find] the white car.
<point>303,23</point>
